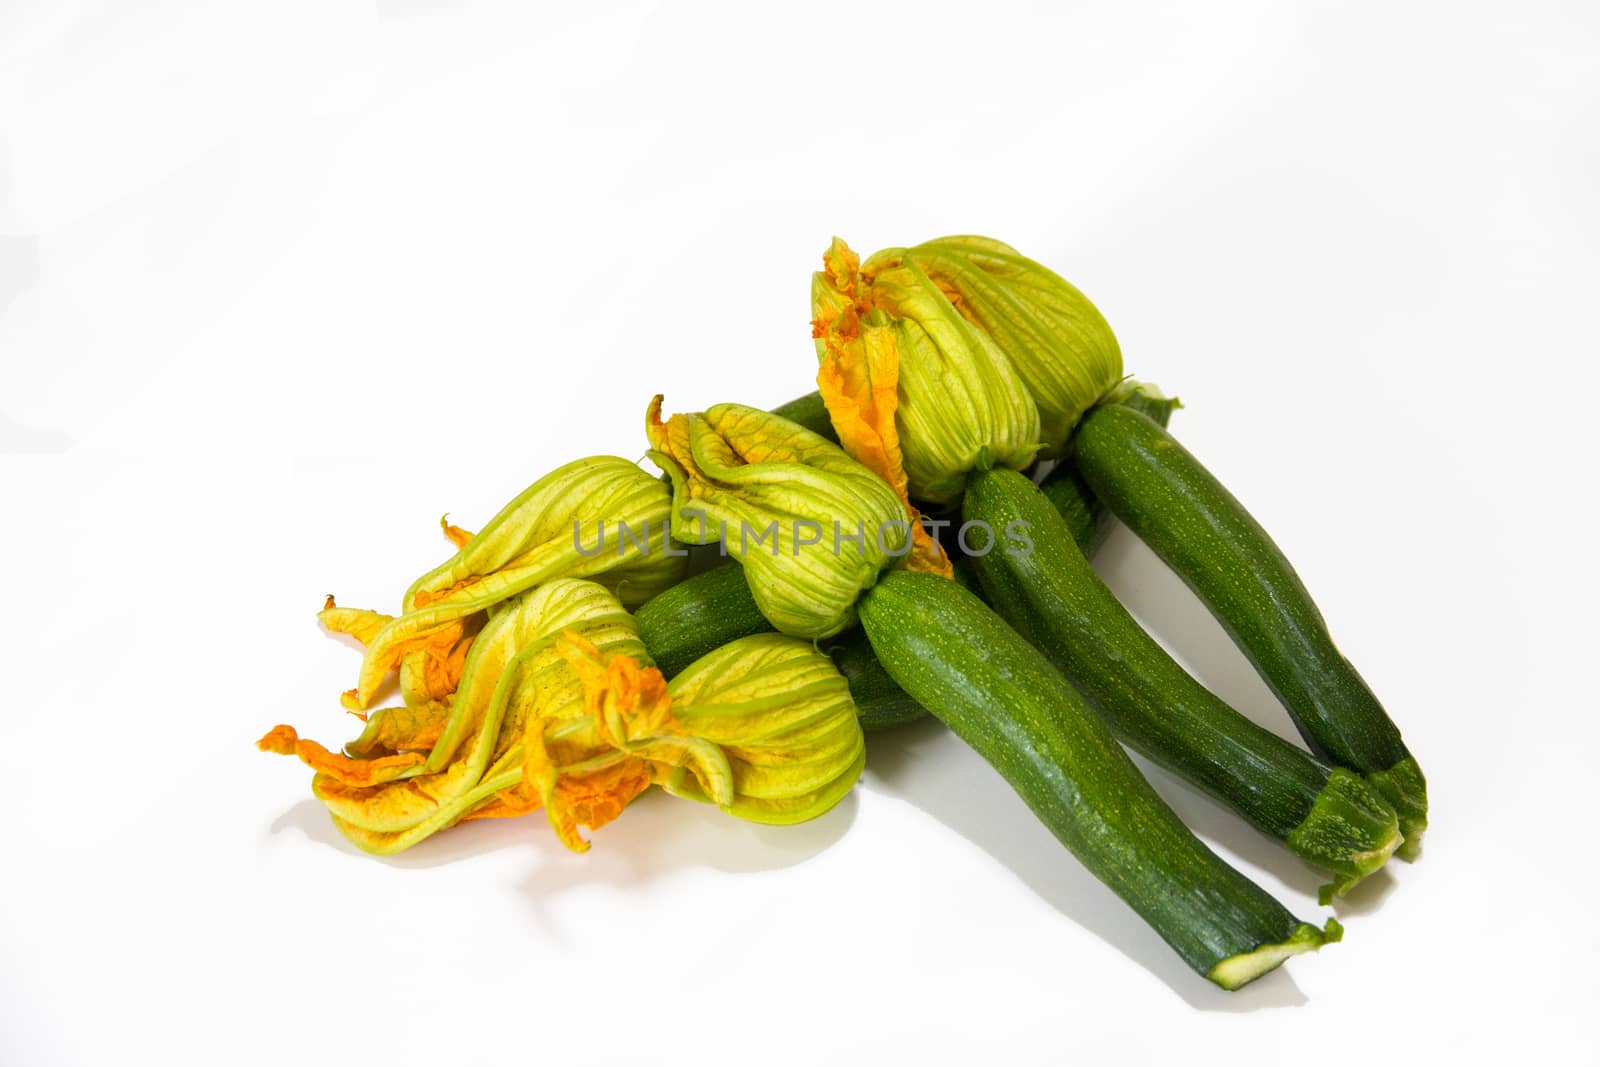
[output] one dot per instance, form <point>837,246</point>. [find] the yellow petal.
<point>428,673</point>
<point>353,622</point>
<point>410,728</point>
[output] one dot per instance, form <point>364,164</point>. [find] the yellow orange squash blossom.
<point>386,800</point>
<point>915,391</point>
<point>811,526</point>
<point>1060,344</point>
<point>763,727</point>
<point>579,725</point>
<point>570,523</point>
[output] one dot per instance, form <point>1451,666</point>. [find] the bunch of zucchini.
<point>960,385</point>
<point>1032,660</point>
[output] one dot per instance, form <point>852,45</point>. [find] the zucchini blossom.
<point>811,526</point>
<point>602,518</point>
<point>558,710</point>
<point>763,727</point>
<point>917,392</point>
<point>416,770</point>
<point>1059,343</point>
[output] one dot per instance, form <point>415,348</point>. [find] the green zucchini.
<point>699,614</point>
<point>680,624</point>
<point>882,704</point>
<point>962,662</point>
<point>1178,508</point>
<point>1091,521</point>
<point>1050,595</point>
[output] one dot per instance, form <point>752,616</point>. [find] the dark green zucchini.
<point>880,702</point>
<point>1045,588</point>
<point>962,662</point>
<point>699,614</point>
<point>1091,521</point>
<point>1153,484</point>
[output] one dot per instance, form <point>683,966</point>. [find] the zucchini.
<point>705,612</point>
<point>1178,508</point>
<point>881,704</point>
<point>1089,518</point>
<point>1050,595</point>
<point>714,605</point>
<point>699,614</point>
<point>963,663</point>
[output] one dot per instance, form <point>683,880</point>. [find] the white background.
<point>282,283</point>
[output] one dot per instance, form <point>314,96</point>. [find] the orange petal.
<point>357,772</point>
<point>843,266</point>
<point>629,702</point>
<point>926,554</point>
<point>594,799</point>
<point>859,379</point>
<point>457,535</point>
<point>508,804</point>
<point>433,671</point>
<point>439,641</point>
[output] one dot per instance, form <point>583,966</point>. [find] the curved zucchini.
<point>1153,484</point>
<point>963,663</point>
<point>1050,595</point>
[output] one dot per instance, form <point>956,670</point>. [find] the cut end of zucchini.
<point>1246,967</point>
<point>1351,831</point>
<point>1405,788</point>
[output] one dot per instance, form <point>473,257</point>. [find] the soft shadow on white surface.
<point>1369,896</point>
<point>923,764</point>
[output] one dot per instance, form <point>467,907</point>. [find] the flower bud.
<point>782,714</point>
<point>1056,339</point>
<point>602,518</point>
<point>763,727</point>
<point>811,526</point>
<point>909,381</point>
